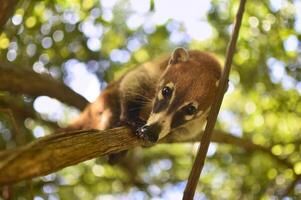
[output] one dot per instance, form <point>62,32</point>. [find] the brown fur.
<point>130,99</point>
<point>201,67</point>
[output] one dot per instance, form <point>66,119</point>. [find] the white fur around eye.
<point>200,113</point>
<point>188,117</point>
<point>160,96</point>
<point>170,85</point>
<point>194,103</point>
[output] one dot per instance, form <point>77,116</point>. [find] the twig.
<point>205,141</point>
<point>291,186</point>
<point>10,115</point>
<point>19,141</point>
<point>23,111</point>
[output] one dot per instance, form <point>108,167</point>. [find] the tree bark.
<point>54,152</point>
<point>57,151</point>
<point>21,81</point>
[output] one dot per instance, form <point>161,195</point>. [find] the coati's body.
<point>158,96</point>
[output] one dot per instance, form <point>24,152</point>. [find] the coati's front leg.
<point>130,106</point>
<point>130,112</point>
<point>135,90</point>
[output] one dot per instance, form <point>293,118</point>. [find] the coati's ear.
<point>179,55</point>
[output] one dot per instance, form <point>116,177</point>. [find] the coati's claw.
<point>133,125</point>
<point>142,134</point>
<point>139,134</point>
<point>137,128</point>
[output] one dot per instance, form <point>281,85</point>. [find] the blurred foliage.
<point>263,102</point>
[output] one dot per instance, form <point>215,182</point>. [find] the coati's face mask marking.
<point>180,97</point>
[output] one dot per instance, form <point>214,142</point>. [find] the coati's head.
<point>185,92</point>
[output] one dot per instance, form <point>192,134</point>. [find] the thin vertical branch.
<point>14,124</point>
<point>19,140</point>
<point>290,188</point>
<point>205,141</point>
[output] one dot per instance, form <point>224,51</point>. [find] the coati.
<point>158,96</point>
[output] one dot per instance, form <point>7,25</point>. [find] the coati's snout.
<point>184,93</point>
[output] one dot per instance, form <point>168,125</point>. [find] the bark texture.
<point>54,152</point>
<point>21,81</point>
<point>57,151</point>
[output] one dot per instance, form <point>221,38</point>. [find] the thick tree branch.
<point>20,81</point>
<point>54,152</point>
<point>57,151</point>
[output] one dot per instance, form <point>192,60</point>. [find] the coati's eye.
<point>166,91</point>
<point>190,110</point>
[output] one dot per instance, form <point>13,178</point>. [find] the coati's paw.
<point>140,134</point>
<point>134,125</point>
<point>144,133</point>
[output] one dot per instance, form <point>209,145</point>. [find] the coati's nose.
<point>150,132</point>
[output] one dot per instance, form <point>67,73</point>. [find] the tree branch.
<point>290,188</point>
<point>13,103</point>
<point>227,138</point>
<point>217,102</point>
<point>16,131</point>
<point>54,152</point>
<point>21,81</point>
<point>57,151</point>
<point>23,111</point>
